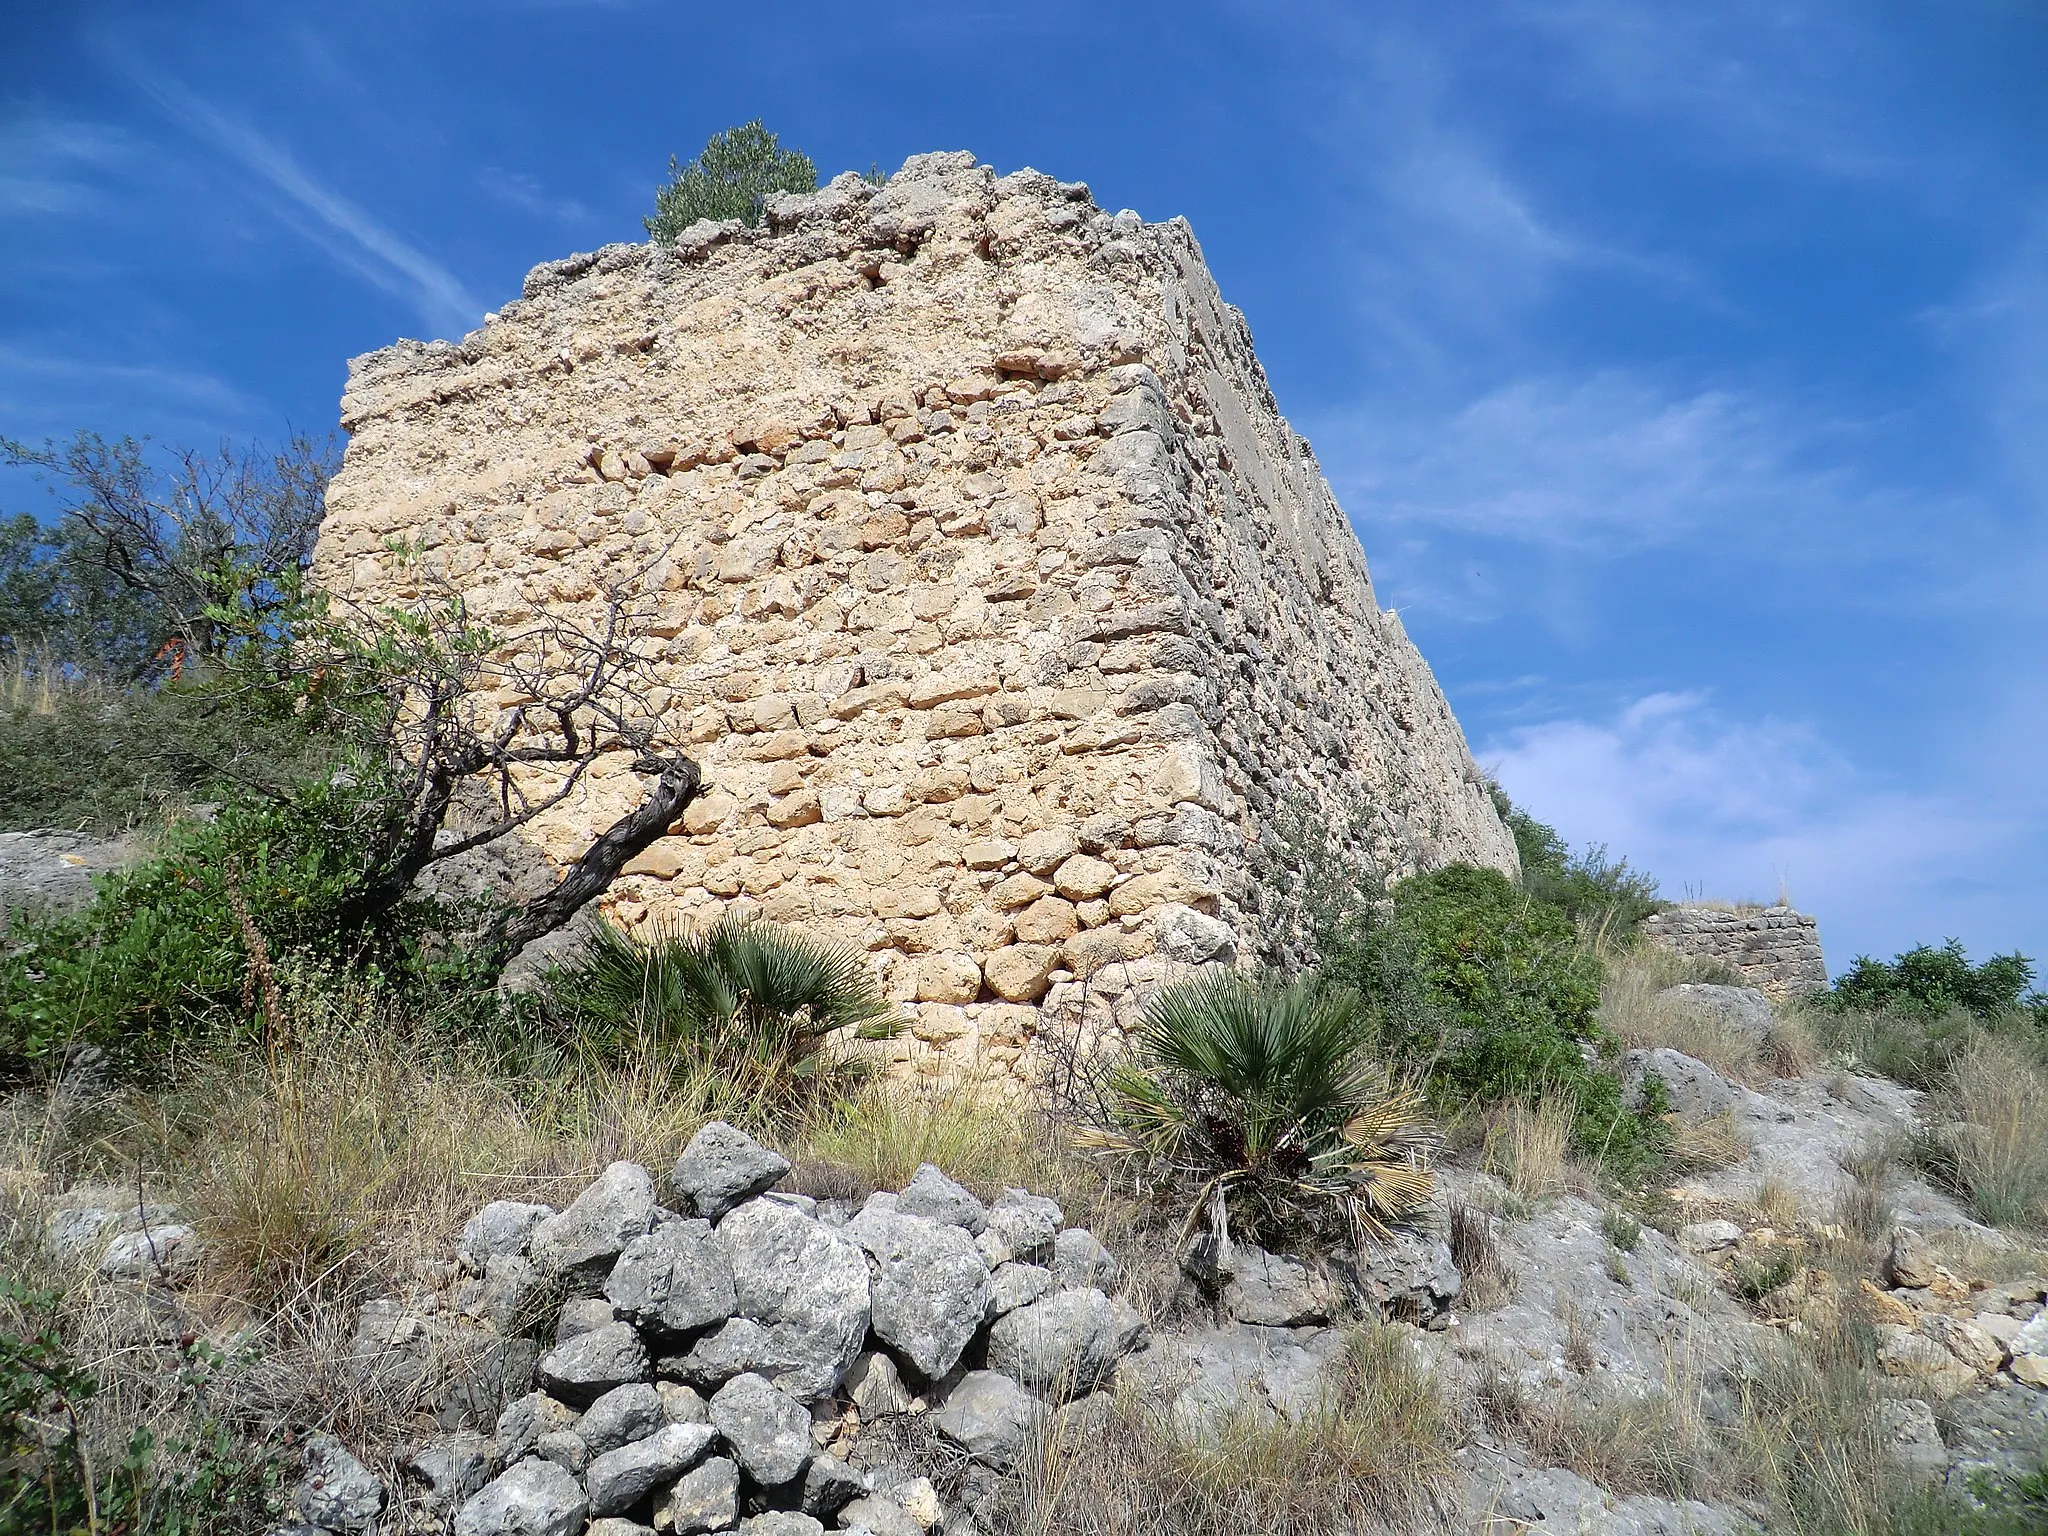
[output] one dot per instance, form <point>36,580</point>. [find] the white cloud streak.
<point>368,246</point>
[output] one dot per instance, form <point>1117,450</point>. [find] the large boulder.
<point>1067,1344</point>
<point>530,1498</point>
<point>676,1279</point>
<point>989,1416</point>
<point>591,1364</point>
<point>582,1243</point>
<point>928,1287</point>
<point>723,1167</point>
<point>768,1430</point>
<point>806,1285</point>
<point>621,1478</point>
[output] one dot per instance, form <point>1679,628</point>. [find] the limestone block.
<point>1082,878</point>
<point>1020,973</point>
<point>948,978</point>
<point>1049,920</point>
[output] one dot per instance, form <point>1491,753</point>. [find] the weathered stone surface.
<point>830,1485</point>
<point>1408,1276</point>
<point>454,1468</point>
<point>879,1517</point>
<point>722,1167</point>
<point>1908,1263</point>
<point>620,1478</point>
<point>503,1226</point>
<point>1015,1285</point>
<point>928,1287</point>
<point>338,1492</point>
<point>1020,1226</point>
<point>948,510</point>
<point>676,1279</point>
<point>582,1242</point>
<point>781,1522</point>
<point>166,1255</point>
<point>768,1430</point>
<point>876,1388</point>
<point>706,1498</point>
<point>806,1284</point>
<point>990,1415</point>
<point>1079,1259</point>
<point>621,1416</point>
<point>530,1498</point>
<point>582,1314</point>
<point>526,1419</point>
<point>1067,1344</point>
<point>1906,1353</point>
<point>1270,1291</point>
<point>934,1196</point>
<point>591,1364</point>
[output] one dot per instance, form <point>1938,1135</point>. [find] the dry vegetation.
<point>1374,1455</point>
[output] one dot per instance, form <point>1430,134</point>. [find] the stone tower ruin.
<point>1008,616</point>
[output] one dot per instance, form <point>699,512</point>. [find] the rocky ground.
<point>701,1351</point>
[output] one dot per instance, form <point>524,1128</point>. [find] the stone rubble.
<point>789,1336</point>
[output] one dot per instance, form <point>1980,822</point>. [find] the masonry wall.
<point>1007,614</point>
<point>1774,949</point>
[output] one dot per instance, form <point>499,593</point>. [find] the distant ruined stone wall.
<point>1004,608</point>
<point>1776,950</point>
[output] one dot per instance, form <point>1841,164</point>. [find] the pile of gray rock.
<point>714,1365</point>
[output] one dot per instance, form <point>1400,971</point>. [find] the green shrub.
<point>761,1002</point>
<point>730,179</point>
<point>100,758</point>
<point>1491,993</point>
<point>1268,1097</point>
<point>163,954</point>
<point>1926,982</point>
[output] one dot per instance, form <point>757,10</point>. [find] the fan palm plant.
<point>744,995</point>
<point>1266,1095</point>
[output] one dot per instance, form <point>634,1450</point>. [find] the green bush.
<point>51,1479</point>
<point>1926,983</point>
<point>1491,992</point>
<point>104,759</point>
<point>163,954</point>
<point>730,179</point>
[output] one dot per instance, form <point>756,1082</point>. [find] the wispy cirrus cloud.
<point>516,189</point>
<point>365,244</point>
<point>53,167</point>
<point>1605,462</point>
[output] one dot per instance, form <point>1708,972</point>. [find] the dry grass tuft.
<point>1528,1146</point>
<point>1657,1443</point>
<point>1999,1096</point>
<point>1488,1282</point>
<point>1632,1011</point>
<point>1707,1144</point>
<point>1376,1455</point>
<point>983,1137</point>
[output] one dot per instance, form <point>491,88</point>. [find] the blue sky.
<point>1683,368</point>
